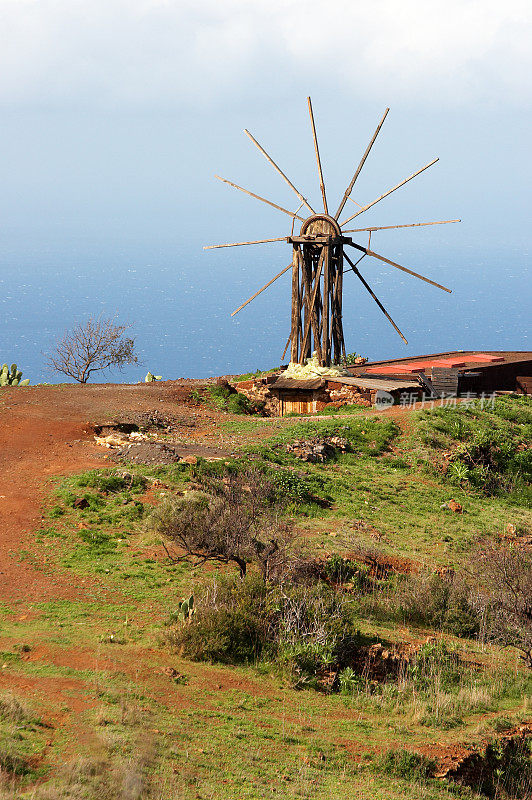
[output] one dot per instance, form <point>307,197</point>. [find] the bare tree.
<point>235,521</point>
<point>93,346</point>
<point>506,573</point>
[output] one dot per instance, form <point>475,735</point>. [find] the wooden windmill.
<point>318,256</point>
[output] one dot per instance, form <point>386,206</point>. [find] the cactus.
<point>186,608</point>
<point>150,378</point>
<point>12,377</point>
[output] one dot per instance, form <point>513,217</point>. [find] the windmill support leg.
<point>296,308</point>
<point>336,304</point>
<point>325,341</point>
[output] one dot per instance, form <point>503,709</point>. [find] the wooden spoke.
<point>239,244</point>
<point>365,208</point>
<point>318,159</point>
<point>286,347</point>
<point>253,296</point>
<point>410,225</point>
<point>372,293</point>
<point>258,197</point>
<point>279,170</point>
<point>359,168</point>
<point>398,266</point>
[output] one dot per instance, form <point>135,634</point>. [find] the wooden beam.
<point>318,159</point>
<point>253,296</point>
<point>296,305</point>
<point>258,197</point>
<point>402,183</point>
<point>372,293</point>
<point>279,170</point>
<point>398,266</point>
<point>410,225</point>
<point>326,348</point>
<point>359,168</point>
<point>239,244</point>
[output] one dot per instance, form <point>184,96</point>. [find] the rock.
<point>113,440</point>
<point>454,505</point>
<point>80,502</point>
<point>189,460</point>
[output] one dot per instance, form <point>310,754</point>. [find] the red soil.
<point>44,432</point>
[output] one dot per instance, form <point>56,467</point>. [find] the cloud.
<point>199,52</point>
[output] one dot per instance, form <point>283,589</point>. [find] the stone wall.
<point>342,394</point>
<point>258,389</point>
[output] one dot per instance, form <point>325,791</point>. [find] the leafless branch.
<point>93,346</point>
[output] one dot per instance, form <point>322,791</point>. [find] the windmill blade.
<point>258,197</point>
<point>372,293</point>
<point>359,168</point>
<point>365,208</point>
<point>279,170</point>
<point>239,244</point>
<point>253,296</point>
<point>318,159</point>
<point>410,225</point>
<point>398,266</point>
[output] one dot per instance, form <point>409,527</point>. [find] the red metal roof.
<point>457,360</point>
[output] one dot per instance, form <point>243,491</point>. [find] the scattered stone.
<point>112,440</point>
<point>317,449</point>
<point>190,460</point>
<point>455,506</point>
<point>80,502</point>
<point>452,505</point>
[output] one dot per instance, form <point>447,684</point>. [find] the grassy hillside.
<point>366,664</point>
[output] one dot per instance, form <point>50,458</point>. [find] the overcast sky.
<point>117,113</point>
<point>107,101</point>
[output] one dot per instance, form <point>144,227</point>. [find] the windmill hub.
<point>320,225</point>
<point>317,265</point>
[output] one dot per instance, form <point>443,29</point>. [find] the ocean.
<point>178,300</point>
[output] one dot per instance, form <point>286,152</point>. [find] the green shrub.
<point>307,630</point>
<point>405,764</point>
<point>434,662</point>
<point>224,398</point>
<point>111,482</point>
<point>337,569</point>
<point>13,763</point>
<point>230,625</point>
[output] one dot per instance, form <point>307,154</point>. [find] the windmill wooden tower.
<point>318,256</point>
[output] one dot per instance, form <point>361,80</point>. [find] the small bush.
<point>111,483</point>
<point>434,662</point>
<point>307,630</point>
<point>12,710</point>
<point>406,765</point>
<point>12,762</point>
<point>230,625</point>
